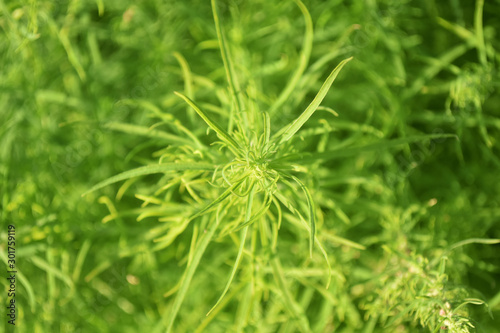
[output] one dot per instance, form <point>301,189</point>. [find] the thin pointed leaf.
<point>188,80</point>
<point>288,205</point>
<point>194,239</point>
<point>151,169</point>
<point>478,27</point>
<point>487,241</point>
<point>213,125</point>
<point>257,215</point>
<point>288,131</point>
<point>166,117</point>
<point>267,127</point>
<point>145,131</point>
<point>350,151</point>
<point>343,241</point>
<point>24,282</point>
<point>244,308</point>
<point>305,54</point>
<point>291,305</point>
<point>278,208</point>
<point>188,275</point>
<point>228,64</point>
<point>400,315</point>
<point>240,250</point>
<point>219,199</point>
<point>80,258</point>
<point>236,290</point>
<point>312,216</point>
<point>42,264</point>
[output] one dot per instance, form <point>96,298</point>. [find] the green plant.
<point>251,167</point>
<point>253,173</point>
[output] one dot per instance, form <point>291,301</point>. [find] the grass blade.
<point>225,301</point>
<point>478,27</point>
<point>24,282</point>
<point>312,217</point>
<point>243,310</point>
<point>343,241</point>
<point>486,241</point>
<point>288,131</point>
<point>228,64</point>
<point>301,219</point>
<point>166,117</point>
<point>145,131</point>
<point>82,254</point>
<point>151,169</point>
<point>213,125</point>
<point>219,199</point>
<point>42,264</point>
<point>291,305</point>
<point>350,151</point>
<point>243,238</point>
<point>262,211</point>
<point>267,127</point>
<point>188,81</point>
<point>303,61</point>
<point>188,275</point>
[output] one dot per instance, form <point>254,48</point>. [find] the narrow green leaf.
<point>274,233</point>
<point>228,64</point>
<point>166,117</point>
<point>487,241</point>
<point>63,35</point>
<point>343,241</point>
<point>400,315</point>
<point>100,7</point>
<point>278,208</point>
<point>80,258</point>
<point>312,216</point>
<point>442,265</point>
<point>244,308</point>
<point>351,151</point>
<point>457,29</point>
<point>145,131</point>
<point>243,238</point>
<point>293,308</point>
<point>265,207</point>
<point>51,281</point>
<point>42,264</point>
<point>267,127</point>
<point>98,270</point>
<point>151,169</point>
<point>24,281</point>
<point>305,54</point>
<point>188,80</point>
<point>301,219</point>
<point>170,236</point>
<point>478,27</point>
<point>213,125</point>
<point>219,199</point>
<point>288,131</point>
<point>494,301</point>
<point>236,290</point>
<point>437,65</point>
<point>188,275</point>
<point>475,301</point>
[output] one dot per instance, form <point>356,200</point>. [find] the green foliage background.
<point>410,229</point>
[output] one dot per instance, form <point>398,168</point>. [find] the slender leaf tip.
<point>289,131</point>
